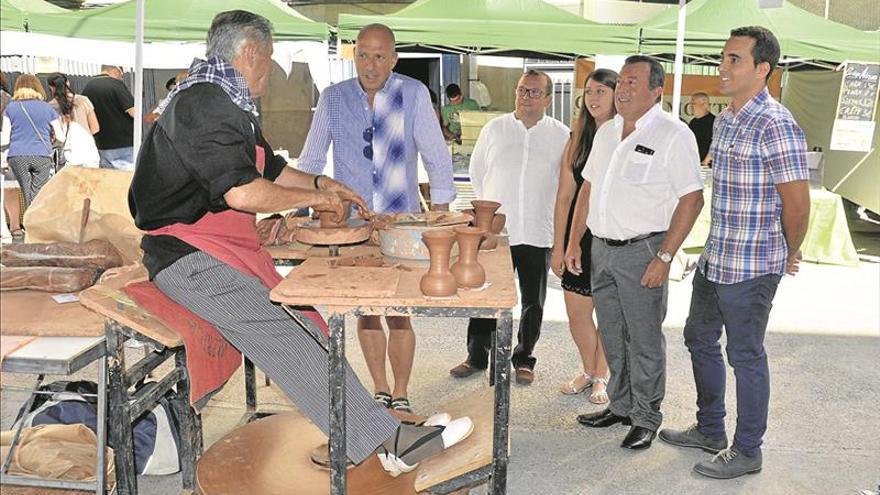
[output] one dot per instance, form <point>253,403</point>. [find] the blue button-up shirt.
<point>342,116</point>
<point>753,150</point>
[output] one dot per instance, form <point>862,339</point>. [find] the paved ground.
<point>824,432</point>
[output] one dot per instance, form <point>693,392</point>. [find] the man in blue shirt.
<point>760,213</point>
<point>379,122</point>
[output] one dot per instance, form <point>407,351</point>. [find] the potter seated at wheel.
<point>204,171</point>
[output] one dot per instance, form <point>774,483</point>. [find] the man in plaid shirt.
<point>760,212</point>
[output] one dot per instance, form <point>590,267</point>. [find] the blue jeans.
<point>743,310</point>
<point>117,158</point>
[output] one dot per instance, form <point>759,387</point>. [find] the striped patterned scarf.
<point>389,149</point>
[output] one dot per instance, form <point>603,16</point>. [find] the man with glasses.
<point>701,125</point>
<point>516,162</point>
<point>379,122</point>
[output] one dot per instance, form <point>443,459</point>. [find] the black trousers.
<point>531,265</point>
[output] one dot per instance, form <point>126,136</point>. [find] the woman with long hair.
<point>597,107</point>
<point>30,143</point>
<point>78,122</point>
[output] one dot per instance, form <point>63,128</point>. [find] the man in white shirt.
<point>516,162</point>
<point>641,195</point>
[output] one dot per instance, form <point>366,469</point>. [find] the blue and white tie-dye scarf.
<point>389,149</point>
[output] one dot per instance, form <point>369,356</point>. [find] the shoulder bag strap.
<point>26,114</point>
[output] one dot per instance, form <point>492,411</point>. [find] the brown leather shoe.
<point>524,376</point>
<point>465,370</point>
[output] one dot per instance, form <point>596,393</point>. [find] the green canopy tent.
<point>497,27</point>
<point>172,20</point>
<point>14,13</point>
<point>168,29</point>
<point>803,37</point>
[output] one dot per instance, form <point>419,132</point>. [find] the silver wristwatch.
<point>664,256</point>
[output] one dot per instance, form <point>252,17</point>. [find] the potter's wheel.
<point>356,231</point>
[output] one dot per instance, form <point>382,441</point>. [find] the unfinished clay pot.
<point>498,222</point>
<point>484,211</point>
<point>468,272</point>
<point>329,219</point>
<point>438,281</point>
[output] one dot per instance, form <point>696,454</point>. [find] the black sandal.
<point>383,399</point>
<point>401,404</point>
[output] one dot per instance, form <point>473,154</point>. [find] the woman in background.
<point>77,125</point>
<point>30,142</point>
<point>597,108</point>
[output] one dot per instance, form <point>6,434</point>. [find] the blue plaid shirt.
<point>343,117</point>
<point>753,150</point>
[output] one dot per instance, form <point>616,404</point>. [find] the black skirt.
<point>580,284</point>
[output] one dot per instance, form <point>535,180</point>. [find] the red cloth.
<point>210,359</point>
<point>231,237</point>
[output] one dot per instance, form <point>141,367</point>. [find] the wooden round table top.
<point>271,456</point>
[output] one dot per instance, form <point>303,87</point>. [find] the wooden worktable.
<point>500,293</point>
<point>494,301</point>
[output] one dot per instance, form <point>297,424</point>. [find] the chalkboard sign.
<point>858,92</point>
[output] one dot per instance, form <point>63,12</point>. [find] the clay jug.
<point>484,211</point>
<point>468,272</point>
<point>438,281</point>
<point>329,219</point>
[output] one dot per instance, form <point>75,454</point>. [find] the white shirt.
<point>635,183</point>
<point>519,168</point>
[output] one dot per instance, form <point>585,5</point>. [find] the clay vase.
<point>484,211</point>
<point>329,219</point>
<point>468,272</point>
<point>438,281</point>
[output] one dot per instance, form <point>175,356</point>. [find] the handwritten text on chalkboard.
<point>858,94</point>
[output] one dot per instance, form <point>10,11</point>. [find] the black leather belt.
<point>616,243</point>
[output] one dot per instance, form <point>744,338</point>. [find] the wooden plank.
<point>107,299</point>
<point>315,278</point>
<point>471,454</point>
<point>35,313</point>
<point>12,343</point>
<point>271,457</point>
<point>501,292</point>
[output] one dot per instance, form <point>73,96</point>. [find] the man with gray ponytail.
<point>203,173</point>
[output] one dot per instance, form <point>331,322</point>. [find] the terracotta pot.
<point>329,219</point>
<point>438,281</point>
<point>468,272</point>
<point>484,212</point>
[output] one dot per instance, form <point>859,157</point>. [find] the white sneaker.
<point>394,466</point>
<point>456,431</point>
<point>453,433</point>
<point>439,419</point>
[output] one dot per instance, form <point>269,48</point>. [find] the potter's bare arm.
<point>263,196</point>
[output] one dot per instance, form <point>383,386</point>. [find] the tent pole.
<point>138,79</point>
<point>679,58</point>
